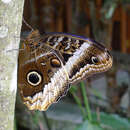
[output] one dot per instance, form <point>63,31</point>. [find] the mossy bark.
<point>10,25</point>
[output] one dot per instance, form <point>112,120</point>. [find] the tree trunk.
<point>10,26</point>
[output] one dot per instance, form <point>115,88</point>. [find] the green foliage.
<point>85,100</point>
<point>114,122</point>
<point>77,99</point>
<point>86,113</point>
<point>87,125</point>
<point>105,122</point>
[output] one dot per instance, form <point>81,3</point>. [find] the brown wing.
<point>83,57</point>
<point>48,64</point>
<point>42,79</point>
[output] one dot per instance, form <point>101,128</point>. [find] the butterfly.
<point>49,64</point>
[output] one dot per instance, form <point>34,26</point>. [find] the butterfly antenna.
<point>27,24</point>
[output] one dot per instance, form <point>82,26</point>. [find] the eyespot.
<point>55,62</point>
<point>34,78</point>
<point>94,60</point>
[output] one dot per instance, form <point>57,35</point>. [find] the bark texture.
<point>10,26</point>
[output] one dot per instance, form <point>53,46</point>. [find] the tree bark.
<point>10,26</point>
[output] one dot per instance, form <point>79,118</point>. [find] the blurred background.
<point>101,102</point>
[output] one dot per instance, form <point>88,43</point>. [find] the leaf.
<point>107,122</point>
<point>87,125</point>
<point>115,121</point>
<point>112,121</point>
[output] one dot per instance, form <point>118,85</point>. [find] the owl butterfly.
<point>48,64</point>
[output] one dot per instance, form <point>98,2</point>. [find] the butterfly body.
<point>48,64</point>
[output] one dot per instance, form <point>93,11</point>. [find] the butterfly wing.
<point>49,63</point>
<point>42,78</point>
<point>83,57</point>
